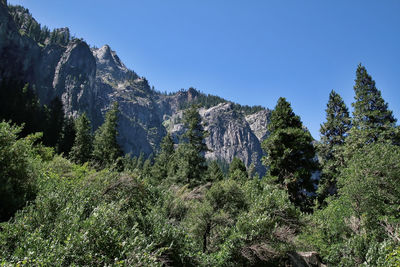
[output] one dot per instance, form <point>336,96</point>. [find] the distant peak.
<point>106,48</point>
<point>104,53</point>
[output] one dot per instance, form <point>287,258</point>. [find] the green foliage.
<point>290,154</point>
<point>55,121</point>
<point>370,110</point>
<point>19,168</point>
<point>362,223</point>
<point>330,149</point>
<point>189,163</point>
<point>67,137</point>
<point>19,104</point>
<point>265,233</point>
<point>211,221</point>
<point>372,120</point>
<point>283,117</point>
<point>28,26</point>
<point>82,149</point>
<point>177,209</point>
<point>162,161</point>
<point>81,218</point>
<point>237,170</point>
<point>214,172</point>
<point>106,149</point>
<point>372,182</point>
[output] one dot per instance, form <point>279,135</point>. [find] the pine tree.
<point>161,165</point>
<point>82,149</point>
<point>290,154</point>
<point>372,120</point>
<point>189,158</point>
<point>55,120</point>
<point>333,134</point>
<point>237,169</point>
<point>106,149</point>
<point>67,136</point>
<point>214,172</point>
<point>195,133</point>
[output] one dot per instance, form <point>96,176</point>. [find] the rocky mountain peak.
<point>103,54</point>
<point>90,80</point>
<point>109,66</point>
<point>192,94</point>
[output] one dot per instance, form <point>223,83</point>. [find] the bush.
<point>19,167</point>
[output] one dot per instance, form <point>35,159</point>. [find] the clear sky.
<point>250,52</point>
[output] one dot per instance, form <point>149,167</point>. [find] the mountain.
<point>90,79</point>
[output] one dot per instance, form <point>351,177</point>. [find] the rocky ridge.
<point>91,79</point>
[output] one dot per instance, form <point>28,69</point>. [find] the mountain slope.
<point>91,79</point>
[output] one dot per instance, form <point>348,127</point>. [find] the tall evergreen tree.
<point>106,149</point>
<point>195,133</point>
<point>82,149</point>
<point>162,161</point>
<point>290,154</point>
<point>237,169</point>
<point>372,120</point>
<point>54,124</point>
<point>67,136</point>
<point>189,159</point>
<point>214,172</point>
<point>19,103</point>
<point>333,134</point>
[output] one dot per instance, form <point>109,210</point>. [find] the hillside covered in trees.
<point>69,195</point>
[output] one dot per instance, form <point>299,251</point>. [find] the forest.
<point>69,196</point>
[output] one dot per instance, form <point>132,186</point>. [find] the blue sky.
<point>250,52</point>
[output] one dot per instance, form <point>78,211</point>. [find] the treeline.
<point>19,104</point>
<point>208,101</point>
<point>41,35</point>
<point>176,209</point>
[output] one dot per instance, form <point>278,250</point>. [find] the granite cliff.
<point>91,79</point>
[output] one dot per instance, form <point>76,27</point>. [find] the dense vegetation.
<point>69,196</point>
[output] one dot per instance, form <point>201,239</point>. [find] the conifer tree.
<point>82,149</point>
<point>214,172</point>
<point>237,169</point>
<point>161,165</point>
<point>195,133</point>
<point>189,159</point>
<point>372,120</point>
<point>290,154</point>
<point>54,123</point>
<point>67,136</point>
<point>106,149</point>
<point>333,134</point>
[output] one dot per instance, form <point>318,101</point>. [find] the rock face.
<point>258,122</point>
<point>230,135</point>
<point>18,53</point>
<point>90,80</point>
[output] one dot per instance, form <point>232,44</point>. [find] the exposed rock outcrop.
<point>229,134</point>
<point>90,80</point>
<point>18,53</point>
<point>74,78</point>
